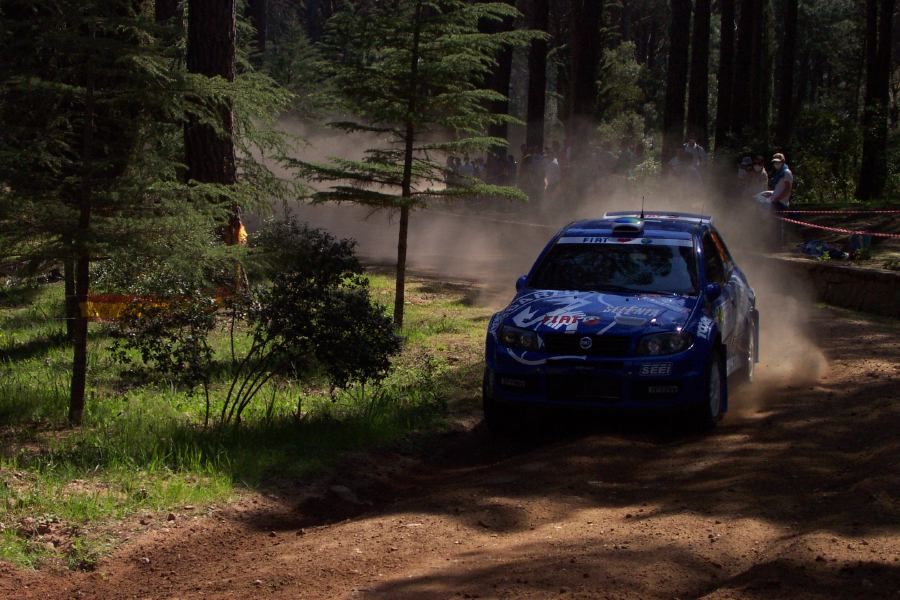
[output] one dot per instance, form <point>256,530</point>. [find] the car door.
<point>740,307</point>
<point>720,270</point>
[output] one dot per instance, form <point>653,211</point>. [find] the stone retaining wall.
<point>869,290</point>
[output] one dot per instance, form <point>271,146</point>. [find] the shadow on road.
<point>817,455</point>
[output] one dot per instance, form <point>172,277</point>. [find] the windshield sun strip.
<point>643,241</point>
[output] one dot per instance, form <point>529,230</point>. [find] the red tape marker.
<point>841,212</point>
<point>839,229</point>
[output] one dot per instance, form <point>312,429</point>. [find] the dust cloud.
<point>491,243</point>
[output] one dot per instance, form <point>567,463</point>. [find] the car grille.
<point>518,383</point>
<point>601,345</point>
<point>573,388</point>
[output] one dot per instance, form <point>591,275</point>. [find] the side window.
<point>723,251</point>
<point>715,267</point>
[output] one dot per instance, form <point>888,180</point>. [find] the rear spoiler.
<point>661,214</point>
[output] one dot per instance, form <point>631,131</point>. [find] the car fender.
<point>708,339</point>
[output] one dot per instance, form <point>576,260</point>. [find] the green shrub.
<point>314,316</point>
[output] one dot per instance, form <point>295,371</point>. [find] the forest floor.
<point>795,495</point>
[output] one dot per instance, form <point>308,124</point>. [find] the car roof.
<point>650,224</point>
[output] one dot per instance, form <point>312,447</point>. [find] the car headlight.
<point>514,337</point>
<point>664,343</point>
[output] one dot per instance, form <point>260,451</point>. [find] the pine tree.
<point>409,70</point>
<point>93,106</point>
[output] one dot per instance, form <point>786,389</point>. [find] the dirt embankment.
<point>796,495</point>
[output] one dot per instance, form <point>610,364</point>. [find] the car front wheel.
<point>745,372</point>
<point>709,412</point>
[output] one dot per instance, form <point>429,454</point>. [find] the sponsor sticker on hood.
<point>573,311</point>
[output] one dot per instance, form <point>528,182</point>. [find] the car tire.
<point>744,375</point>
<point>499,419</point>
<point>709,412</point>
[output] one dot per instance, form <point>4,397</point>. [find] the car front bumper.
<point>634,383</point>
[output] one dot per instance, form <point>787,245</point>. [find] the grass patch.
<point>143,447</point>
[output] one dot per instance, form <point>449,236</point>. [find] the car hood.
<point>550,311</point>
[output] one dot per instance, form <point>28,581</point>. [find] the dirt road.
<point>796,495</point>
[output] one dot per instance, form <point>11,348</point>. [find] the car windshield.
<point>614,267</point>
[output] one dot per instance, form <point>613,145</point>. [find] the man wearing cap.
<point>781,183</point>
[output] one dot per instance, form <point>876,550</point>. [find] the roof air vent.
<point>628,225</point>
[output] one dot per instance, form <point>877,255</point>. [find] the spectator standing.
<point>480,168</point>
<point>512,168</point>
<point>552,171</point>
<point>467,169</point>
<point>781,183</point>
<point>450,171</point>
<point>698,154</point>
<point>744,170</point>
<point>531,173</point>
<point>758,178</point>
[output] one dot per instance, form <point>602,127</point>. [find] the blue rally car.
<point>632,311</point>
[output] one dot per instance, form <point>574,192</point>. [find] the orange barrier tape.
<point>109,307</point>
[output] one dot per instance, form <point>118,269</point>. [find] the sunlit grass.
<point>143,446</point>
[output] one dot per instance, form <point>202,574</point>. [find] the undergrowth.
<point>143,446</point>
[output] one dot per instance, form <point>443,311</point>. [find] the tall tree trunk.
<point>676,79</point>
<point>165,10</point>
<point>755,67</point>
<point>873,173</point>
<point>400,286</point>
<point>785,124</point>
<point>762,71</point>
<point>81,256</point>
<point>258,11</point>
<point>885,51</point>
<point>743,66</point>
<point>537,76</point>
<point>80,332</point>
<point>698,100</point>
<point>210,51</point>
<point>585,55</point>
<point>406,184</point>
<point>726,74</point>
<point>652,41</point>
<point>71,303</point>
<point>498,81</point>
<point>625,27</point>
<point>313,22</point>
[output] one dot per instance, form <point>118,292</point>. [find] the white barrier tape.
<point>839,229</point>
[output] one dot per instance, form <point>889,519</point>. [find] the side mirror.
<point>520,283</point>
<point>713,291</point>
